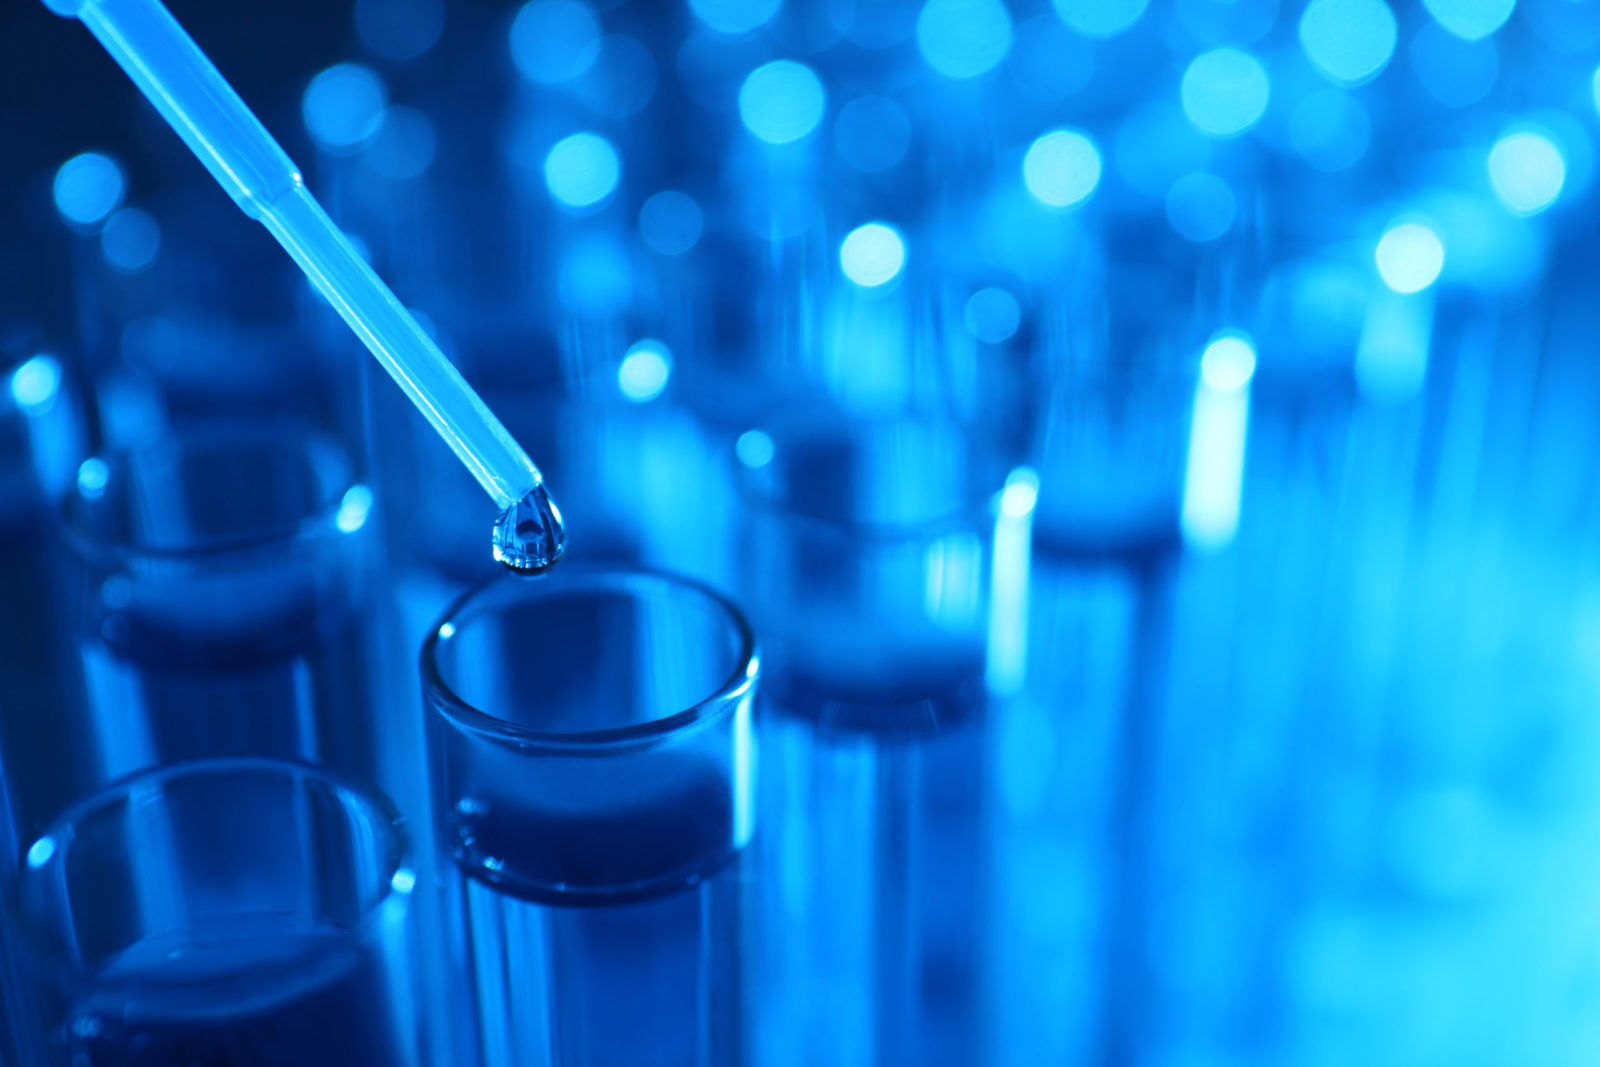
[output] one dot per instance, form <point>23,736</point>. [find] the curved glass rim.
<point>313,445</point>
<point>63,827</point>
<point>974,510</point>
<point>488,596</point>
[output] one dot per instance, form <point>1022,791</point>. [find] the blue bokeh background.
<point>1279,319</point>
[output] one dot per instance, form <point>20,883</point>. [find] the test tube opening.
<point>238,541</point>
<point>591,733</point>
<point>593,763</point>
<point>865,560</point>
<point>218,908</point>
<point>209,489</point>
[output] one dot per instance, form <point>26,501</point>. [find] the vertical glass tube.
<point>222,911</point>
<point>40,698</point>
<point>1119,368</point>
<point>592,762</point>
<point>868,564</point>
<point>225,602</point>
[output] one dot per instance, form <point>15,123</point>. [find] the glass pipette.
<point>197,102</point>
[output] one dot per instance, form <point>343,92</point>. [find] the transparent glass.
<point>222,911</point>
<point>593,770</point>
<point>1119,361</point>
<point>40,695</point>
<point>869,557</point>
<point>226,603</point>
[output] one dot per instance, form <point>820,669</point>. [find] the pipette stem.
<point>409,355</point>
<point>198,103</point>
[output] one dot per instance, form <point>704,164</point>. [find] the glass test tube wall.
<point>225,578</point>
<point>222,911</point>
<point>41,698</point>
<point>593,768</point>
<point>869,556</point>
<point>39,438</point>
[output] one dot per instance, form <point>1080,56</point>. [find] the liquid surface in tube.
<point>528,536</point>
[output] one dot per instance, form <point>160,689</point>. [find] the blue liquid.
<point>295,684</point>
<point>564,973</point>
<point>529,537</point>
<point>284,997</point>
<point>873,825</point>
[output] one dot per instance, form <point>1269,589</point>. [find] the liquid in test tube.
<point>593,762</point>
<point>229,911</point>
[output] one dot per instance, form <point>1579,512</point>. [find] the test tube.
<point>222,911</point>
<point>869,555</point>
<point>226,601</point>
<point>1118,365</point>
<point>40,698</point>
<point>593,771</point>
<point>41,765</point>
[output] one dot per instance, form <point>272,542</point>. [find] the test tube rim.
<point>723,700</point>
<point>318,448</point>
<point>972,511</point>
<point>62,828</point>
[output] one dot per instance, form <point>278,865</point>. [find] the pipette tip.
<point>529,537</point>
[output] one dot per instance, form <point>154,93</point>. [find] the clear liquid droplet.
<point>529,537</point>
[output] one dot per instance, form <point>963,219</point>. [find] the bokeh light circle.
<point>1228,363</point>
<point>872,255</point>
<point>554,41</point>
<point>735,16</point>
<point>88,187</point>
<point>399,29</point>
<point>644,371</point>
<point>992,315</point>
<point>1225,91</point>
<point>1061,168</point>
<point>35,385</point>
<point>670,222</point>
<point>344,107</point>
<point>755,448</point>
<point>1201,207</point>
<point>963,38</point>
<point>1349,41</point>
<point>582,170</point>
<point>1410,257</point>
<point>1527,172</point>
<point>130,240</point>
<point>1100,18</point>
<point>782,101</point>
<point>1470,20</point>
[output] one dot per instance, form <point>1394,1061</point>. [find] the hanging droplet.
<point>528,536</point>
